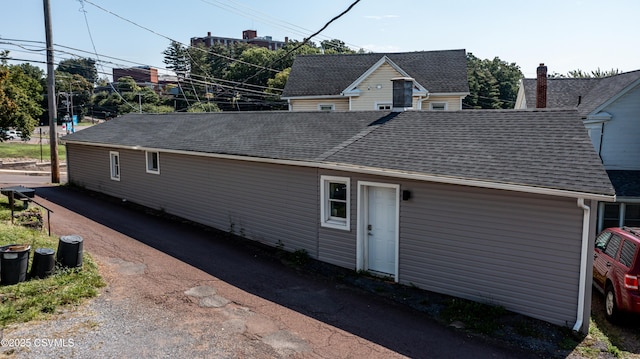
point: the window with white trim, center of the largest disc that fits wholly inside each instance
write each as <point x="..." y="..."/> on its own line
<point x="326" y="107"/>
<point x="153" y="162"/>
<point x="438" y="106"/>
<point x="335" y="205"/>
<point x="114" y="159"/>
<point x="384" y="106"/>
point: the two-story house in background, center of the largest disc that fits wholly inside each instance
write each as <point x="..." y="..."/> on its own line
<point x="610" y="110"/>
<point x="362" y="82"/>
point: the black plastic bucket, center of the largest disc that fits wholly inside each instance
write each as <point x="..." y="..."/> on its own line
<point x="70" y="251"/>
<point x="43" y="263"/>
<point x="14" y="260"/>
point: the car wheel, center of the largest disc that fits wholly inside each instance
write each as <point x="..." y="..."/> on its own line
<point x="610" y="306"/>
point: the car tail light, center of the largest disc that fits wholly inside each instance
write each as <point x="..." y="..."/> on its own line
<point x="631" y="281"/>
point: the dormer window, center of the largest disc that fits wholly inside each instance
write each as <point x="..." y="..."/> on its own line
<point x="438" y="106"/>
<point x="326" y="107"/>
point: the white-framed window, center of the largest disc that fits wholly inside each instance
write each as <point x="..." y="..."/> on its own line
<point x="438" y="106"/>
<point x="383" y="106"/>
<point x="114" y="160"/>
<point x="335" y="193"/>
<point x="326" y="107"/>
<point x="153" y="162"/>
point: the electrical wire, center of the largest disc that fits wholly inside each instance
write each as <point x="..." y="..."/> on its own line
<point x="247" y="12"/>
<point x="306" y="39"/>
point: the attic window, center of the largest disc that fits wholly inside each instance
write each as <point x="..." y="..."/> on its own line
<point x="326" y="107"/>
<point x="153" y="162"/>
<point x="383" y="107"/>
<point x="438" y="106"/>
<point x="335" y="208"/>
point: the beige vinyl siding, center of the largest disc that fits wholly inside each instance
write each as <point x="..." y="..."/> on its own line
<point x="340" y="104"/>
<point x="376" y="88"/>
<point x="453" y="102"/>
<point x="273" y="204"/>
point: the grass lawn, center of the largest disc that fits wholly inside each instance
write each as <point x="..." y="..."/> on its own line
<point x="38" y="298"/>
<point x="28" y="150"/>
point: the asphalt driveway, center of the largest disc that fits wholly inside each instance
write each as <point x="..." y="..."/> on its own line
<point x="207" y="295"/>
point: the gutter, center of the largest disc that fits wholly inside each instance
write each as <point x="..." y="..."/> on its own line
<point x="373" y="171"/>
<point x="583" y="263"/>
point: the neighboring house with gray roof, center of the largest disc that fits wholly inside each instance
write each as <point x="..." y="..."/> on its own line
<point x="610" y="110"/>
<point x="492" y="206"/>
<point x="362" y="82"/>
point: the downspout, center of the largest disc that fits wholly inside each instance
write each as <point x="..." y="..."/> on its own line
<point x="584" y="253"/>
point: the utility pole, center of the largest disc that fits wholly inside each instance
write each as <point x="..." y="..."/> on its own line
<point x="51" y="89"/>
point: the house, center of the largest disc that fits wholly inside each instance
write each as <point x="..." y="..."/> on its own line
<point x="610" y="110"/>
<point x="248" y="37"/>
<point x="489" y="205"/>
<point x="361" y="82"/>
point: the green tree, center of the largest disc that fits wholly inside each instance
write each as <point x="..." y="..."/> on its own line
<point x="593" y="74"/>
<point x="493" y="84"/>
<point x="278" y="81"/>
<point x="335" y="46"/>
<point x="20" y="96"/>
<point x="176" y="57"/>
<point x="84" y="67"/>
<point x="74" y="91"/>
<point x="203" y="107"/>
<point x="245" y="71"/>
<point x="129" y="97"/>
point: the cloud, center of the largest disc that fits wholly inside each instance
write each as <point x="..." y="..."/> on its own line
<point x="381" y="17"/>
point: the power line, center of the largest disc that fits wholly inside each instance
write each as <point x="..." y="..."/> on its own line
<point x="307" y="39"/>
<point x="178" y="42"/>
<point x="235" y="8"/>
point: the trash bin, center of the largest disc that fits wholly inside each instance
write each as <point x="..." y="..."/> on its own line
<point x="14" y="260"/>
<point x="43" y="263"/>
<point x="70" y="251"/>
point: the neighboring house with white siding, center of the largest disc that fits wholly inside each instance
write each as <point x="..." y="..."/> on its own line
<point x="488" y="205"/>
<point x="362" y="82"/>
<point x="610" y="110"/>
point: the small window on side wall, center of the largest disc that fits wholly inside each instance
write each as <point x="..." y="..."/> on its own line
<point x="383" y="107"/>
<point x="114" y="159"/>
<point x="335" y="205"/>
<point x="438" y="106"/>
<point x="326" y="107"/>
<point x="153" y="162"/>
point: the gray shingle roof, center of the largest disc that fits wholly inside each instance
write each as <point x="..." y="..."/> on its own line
<point x="593" y="92"/>
<point x="547" y="149"/>
<point x="318" y="75"/>
<point x="278" y="135"/>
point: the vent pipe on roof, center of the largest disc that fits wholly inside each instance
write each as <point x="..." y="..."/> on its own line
<point x="402" y="93"/>
<point x="541" y="87"/>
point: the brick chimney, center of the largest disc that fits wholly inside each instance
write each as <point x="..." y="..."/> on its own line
<point x="402" y="93"/>
<point x="541" y="87"/>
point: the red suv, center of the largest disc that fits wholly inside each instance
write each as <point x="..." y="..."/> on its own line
<point x="616" y="268"/>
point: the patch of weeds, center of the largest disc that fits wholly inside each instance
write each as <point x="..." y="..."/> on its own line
<point x="379" y="289"/>
<point x="479" y="317"/>
<point x="38" y="298"/>
<point x="280" y="245"/>
<point x="298" y="258"/>
<point x="526" y="329"/>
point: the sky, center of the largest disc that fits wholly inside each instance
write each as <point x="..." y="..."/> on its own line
<point x="566" y="35"/>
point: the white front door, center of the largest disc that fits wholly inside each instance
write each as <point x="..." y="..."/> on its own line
<point x="381" y="229"/>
